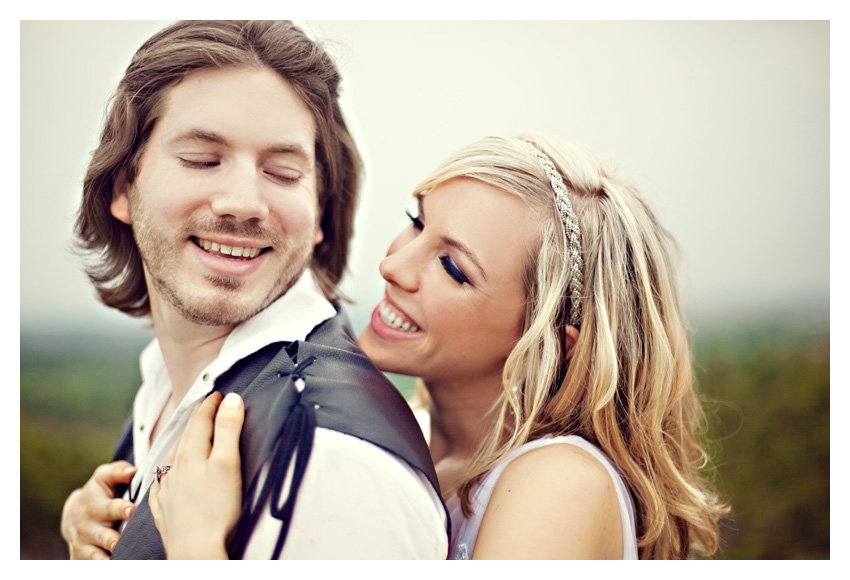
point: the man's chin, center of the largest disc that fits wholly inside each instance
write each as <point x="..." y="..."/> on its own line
<point x="219" y="308"/>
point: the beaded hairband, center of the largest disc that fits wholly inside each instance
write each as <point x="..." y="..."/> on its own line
<point x="570" y="221"/>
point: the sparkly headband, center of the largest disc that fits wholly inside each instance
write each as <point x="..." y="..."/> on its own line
<point x="570" y="221"/>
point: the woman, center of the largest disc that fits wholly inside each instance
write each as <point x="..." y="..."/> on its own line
<point x="563" y="326"/>
<point x="535" y="295"/>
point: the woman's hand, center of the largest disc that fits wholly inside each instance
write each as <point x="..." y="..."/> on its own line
<point x="199" y="500"/>
<point x="91" y="511"/>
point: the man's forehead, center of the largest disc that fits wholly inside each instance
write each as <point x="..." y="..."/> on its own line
<point x="226" y="106"/>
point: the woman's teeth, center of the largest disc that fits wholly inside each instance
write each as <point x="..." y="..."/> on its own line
<point x="235" y="251"/>
<point x="391" y="318"/>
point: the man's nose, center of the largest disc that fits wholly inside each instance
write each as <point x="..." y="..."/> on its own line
<point x="240" y="193"/>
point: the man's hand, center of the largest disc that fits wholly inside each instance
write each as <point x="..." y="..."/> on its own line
<point x="90" y="512"/>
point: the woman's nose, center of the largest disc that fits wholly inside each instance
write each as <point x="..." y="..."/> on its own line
<point x="400" y="267"/>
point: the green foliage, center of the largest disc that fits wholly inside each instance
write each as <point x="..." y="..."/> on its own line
<point x="767" y="397"/>
<point x="766" y="386"/>
<point x="74" y="399"/>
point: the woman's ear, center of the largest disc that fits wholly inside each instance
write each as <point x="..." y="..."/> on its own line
<point x="570" y="339"/>
<point x="120" y="206"/>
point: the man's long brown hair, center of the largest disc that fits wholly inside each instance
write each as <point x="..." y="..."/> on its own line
<point x="115" y="266"/>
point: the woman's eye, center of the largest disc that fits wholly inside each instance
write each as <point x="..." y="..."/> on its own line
<point x="417" y="221"/>
<point x="452" y="270"/>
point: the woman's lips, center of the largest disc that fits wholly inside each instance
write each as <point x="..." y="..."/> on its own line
<point x="395" y="318"/>
<point x="391" y="323"/>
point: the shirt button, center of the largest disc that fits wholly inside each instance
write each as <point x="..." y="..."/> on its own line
<point x="205" y="377"/>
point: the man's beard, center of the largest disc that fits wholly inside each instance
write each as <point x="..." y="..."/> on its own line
<point x="222" y="307"/>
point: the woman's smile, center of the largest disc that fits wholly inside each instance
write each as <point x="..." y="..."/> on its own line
<point x="454" y="297"/>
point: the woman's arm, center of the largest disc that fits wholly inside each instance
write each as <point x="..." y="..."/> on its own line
<point x="199" y="499"/>
<point x="555" y="502"/>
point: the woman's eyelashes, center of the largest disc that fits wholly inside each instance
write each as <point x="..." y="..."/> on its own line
<point x="449" y="266"/>
<point x="453" y="271"/>
<point x="418" y="224"/>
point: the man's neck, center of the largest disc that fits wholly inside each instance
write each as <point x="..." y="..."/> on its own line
<point x="187" y="348"/>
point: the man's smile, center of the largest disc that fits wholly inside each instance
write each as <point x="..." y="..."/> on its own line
<point x="243" y="252"/>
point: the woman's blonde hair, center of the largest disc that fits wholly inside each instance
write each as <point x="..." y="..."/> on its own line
<point x="629" y="386"/>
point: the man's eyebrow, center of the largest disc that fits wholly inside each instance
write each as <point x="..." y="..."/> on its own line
<point x="291" y="149"/>
<point x="198" y="135"/>
<point x="284" y="148"/>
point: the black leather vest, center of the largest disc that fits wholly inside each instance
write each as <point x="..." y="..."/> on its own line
<point x="289" y="389"/>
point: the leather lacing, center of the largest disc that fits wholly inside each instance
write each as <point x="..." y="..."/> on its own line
<point x="295" y="440"/>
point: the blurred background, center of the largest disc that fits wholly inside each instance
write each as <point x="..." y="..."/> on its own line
<point x="725" y="125"/>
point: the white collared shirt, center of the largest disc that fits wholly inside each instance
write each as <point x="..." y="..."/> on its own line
<point x="356" y="500"/>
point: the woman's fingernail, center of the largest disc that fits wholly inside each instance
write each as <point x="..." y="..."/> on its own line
<point x="130" y="469"/>
<point x="232" y="401"/>
<point x="128" y="511"/>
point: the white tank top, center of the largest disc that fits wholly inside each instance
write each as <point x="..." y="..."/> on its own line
<point x="465" y="530"/>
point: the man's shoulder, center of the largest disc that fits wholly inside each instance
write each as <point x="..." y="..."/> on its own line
<point x="334" y="366"/>
<point x="343" y="451"/>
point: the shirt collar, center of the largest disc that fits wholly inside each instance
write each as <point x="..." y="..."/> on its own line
<point x="289" y="318"/>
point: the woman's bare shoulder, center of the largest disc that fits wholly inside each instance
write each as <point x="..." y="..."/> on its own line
<point x="555" y="501"/>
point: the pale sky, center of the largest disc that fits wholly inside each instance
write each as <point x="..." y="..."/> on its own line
<point x="725" y="125"/>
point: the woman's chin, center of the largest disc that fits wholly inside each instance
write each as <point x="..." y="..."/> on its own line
<point x="380" y="353"/>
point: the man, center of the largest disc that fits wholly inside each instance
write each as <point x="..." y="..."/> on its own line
<point x="225" y="169"/>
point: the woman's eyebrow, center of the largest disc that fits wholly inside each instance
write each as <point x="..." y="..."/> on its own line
<point x="459" y="246"/>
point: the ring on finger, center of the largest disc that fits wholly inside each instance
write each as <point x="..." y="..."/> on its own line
<point x="160" y="470"/>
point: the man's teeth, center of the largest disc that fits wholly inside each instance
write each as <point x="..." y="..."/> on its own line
<point x="235" y="251"/>
<point x="394" y="320"/>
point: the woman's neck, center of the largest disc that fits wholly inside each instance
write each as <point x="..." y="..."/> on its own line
<point x="460" y="418"/>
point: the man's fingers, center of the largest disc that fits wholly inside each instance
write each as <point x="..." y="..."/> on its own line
<point x="228" y="427"/>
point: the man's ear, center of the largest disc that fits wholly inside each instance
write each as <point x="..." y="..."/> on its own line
<point x="120" y="206"/>
<point x="570" y="339"/>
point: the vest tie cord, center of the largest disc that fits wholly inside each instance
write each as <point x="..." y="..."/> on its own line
<point x="347" y="394"/>
<point x="295" y="440"/>
<point x="300" y="428"/>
